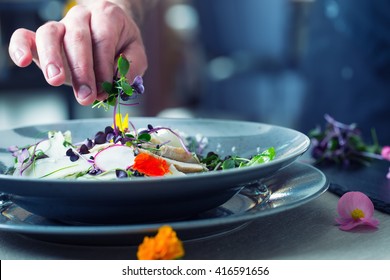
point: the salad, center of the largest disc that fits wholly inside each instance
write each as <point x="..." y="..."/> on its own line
<point x="121" y="151"/>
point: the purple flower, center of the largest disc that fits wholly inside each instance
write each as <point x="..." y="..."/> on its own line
<point x="13" y="149"/>
<point x="23" y="155"/>
<point x="137" y="85"/>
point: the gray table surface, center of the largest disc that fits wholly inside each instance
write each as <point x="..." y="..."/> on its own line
<point x="304" y="233"/>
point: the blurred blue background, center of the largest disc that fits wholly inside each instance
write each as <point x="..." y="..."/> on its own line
<point x="282" y="62"/>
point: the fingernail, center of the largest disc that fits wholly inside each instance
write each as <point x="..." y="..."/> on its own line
<point x="52" y="71"/>
<point x="83" y="92"/>
<point x="18" y="54"/>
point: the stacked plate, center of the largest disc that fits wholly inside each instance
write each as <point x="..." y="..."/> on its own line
<point x="199" y="205"/>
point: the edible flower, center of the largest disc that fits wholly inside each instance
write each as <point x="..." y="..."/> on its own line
<point x="150" y="165"/>
<point x="164" y="246"/>
<point x="121" y="123"/>
<point x="22" y="156"/>
<point x="385" y="153"/>
<point x="355" y="209"/>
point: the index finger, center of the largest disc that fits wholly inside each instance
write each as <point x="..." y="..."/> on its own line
<point x="78" y="50"/>
<point x="22" y="48"/>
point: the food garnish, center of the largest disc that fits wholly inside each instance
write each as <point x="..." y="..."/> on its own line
<point x="121" y="150"/>
<point x="342" y="143"/>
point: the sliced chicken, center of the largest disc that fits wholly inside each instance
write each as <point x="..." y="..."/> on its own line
<point x="175" y="153"/>
<point x="185" y="167"/>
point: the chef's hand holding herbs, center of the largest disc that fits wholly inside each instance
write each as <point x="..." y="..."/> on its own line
<point x="81" y="49"/>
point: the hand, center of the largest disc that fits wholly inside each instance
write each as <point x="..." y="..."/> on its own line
<point x="81" y="50"/>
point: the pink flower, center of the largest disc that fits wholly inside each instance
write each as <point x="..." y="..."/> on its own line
<point x="355" y="209"/>
<point x="385" y="153"/>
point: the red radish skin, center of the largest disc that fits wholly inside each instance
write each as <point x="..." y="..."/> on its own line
<point x="114" y="157"/>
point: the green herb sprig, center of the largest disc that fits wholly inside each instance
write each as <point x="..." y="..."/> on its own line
<point x="214" y="162"/>
<point x="120" y="89"/>
<point x="342" y="144"/>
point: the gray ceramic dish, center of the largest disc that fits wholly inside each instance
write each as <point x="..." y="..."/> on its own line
<point x="291" y="187"/>
<point x="149" y="199"/>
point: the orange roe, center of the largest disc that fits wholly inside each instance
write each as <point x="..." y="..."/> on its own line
<point x="164" y="246"/>
<point x="150" y="165"/>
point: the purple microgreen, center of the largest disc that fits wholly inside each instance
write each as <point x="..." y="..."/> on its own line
<point x="24" y="159"/>
<point x="108" y="130"/>
<point x="100" y="137"/>
<point x="342" y="143"/>
<point x="134" y="129"/>
<point x="138" y="85"/>
<point x="23" y="156"/>
<point x="156" y="129"/>
<point x="95" y="171"/>
<point x="120" y="174"/>
<point x="72" y="155"/>
<point x="120" y="88"/>
<point x="109" y="137"/>
<point x="118" y="138"/>
<point x="162" y="144"/>
<point x="13" y="149"/>
<point x="83" y="149"/>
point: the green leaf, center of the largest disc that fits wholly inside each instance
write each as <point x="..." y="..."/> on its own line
<point x="263" y="157"/>
<point x="126" y="87"/>
<point x="211" y="157"/>
<point x="144" y="137"/>
<point x="111" y="100"/>
<point x="67" y="144"/>
<point x="107" y="86"/>
<point x="228" y="164"/>
<point x="123" y="65"/>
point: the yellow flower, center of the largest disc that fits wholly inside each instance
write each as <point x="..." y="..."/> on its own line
<point x="164" y="246"/>
<point x="122" y="123"/>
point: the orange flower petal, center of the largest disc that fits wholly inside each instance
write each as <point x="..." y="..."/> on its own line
<point x="164" y="246"/>
<point x="150" y="165"/>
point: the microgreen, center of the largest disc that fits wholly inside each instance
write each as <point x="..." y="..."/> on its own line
<point x="214" y="162"/>
<point x="342" y="143"/>
<point x="120" y="88"/>
<point x="58" y="170"/>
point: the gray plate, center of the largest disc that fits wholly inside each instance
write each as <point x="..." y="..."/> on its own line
<point x="291" y="187"/>
<point x="148" y="199"/>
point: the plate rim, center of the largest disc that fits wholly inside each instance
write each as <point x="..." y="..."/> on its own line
<point x="303" y="147"/>
<point x="99" y="230"/>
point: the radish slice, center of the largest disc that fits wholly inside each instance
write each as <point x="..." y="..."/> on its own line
<point x="115" y="157"/>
